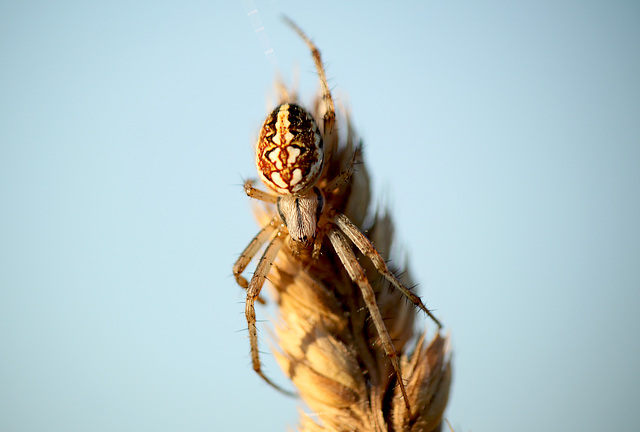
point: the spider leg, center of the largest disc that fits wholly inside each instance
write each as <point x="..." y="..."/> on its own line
<point x="251" y="250"/>
<point x="330" y="110"/>
<point x="323" y="225"/>
<point x="367" y="248"/>
<point x="253" y="293"/>
<point x="258" y="194"/>
<point x="356" y="273"/>
<point x="330" y="113"/>
<point x="343" y="178"/>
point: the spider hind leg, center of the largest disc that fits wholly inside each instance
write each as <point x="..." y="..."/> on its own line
<point x="366" y="247"/>
<point x="356" y="273"/>
<point x="253" y="294"/>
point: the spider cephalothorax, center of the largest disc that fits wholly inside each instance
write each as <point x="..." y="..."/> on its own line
<point x="290" y="159"/>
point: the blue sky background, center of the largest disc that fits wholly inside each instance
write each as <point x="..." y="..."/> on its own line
<point x="505" y="137"/>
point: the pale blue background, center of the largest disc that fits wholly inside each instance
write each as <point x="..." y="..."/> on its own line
<point x="504" y="135"/>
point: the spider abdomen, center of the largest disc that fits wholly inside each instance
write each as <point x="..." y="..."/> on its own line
<point x="289" y="154"/>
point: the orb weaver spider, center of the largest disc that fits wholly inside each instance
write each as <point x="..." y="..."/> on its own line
<point x="291" y="162"/>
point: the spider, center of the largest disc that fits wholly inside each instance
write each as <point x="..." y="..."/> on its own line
<point x="290" y="159"/>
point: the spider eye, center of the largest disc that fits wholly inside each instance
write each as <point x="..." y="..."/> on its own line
<point x="289" y="154"/>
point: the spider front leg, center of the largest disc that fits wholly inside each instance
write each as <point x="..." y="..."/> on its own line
<point x="270" y="233"/>
<point x="259" y="240"/>
<point x="251" y="250"/>
<point x="366" y="247"/>
<point x="356" y="273"/>
<point x="253" y="293"/>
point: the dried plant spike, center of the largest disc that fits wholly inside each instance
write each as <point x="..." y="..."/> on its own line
<point x="342" y="335"/>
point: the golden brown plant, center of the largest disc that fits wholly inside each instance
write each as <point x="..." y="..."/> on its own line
<point x="344" y="331"/>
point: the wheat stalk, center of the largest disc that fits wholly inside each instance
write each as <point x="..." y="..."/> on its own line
<point x="326" y="343"/>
